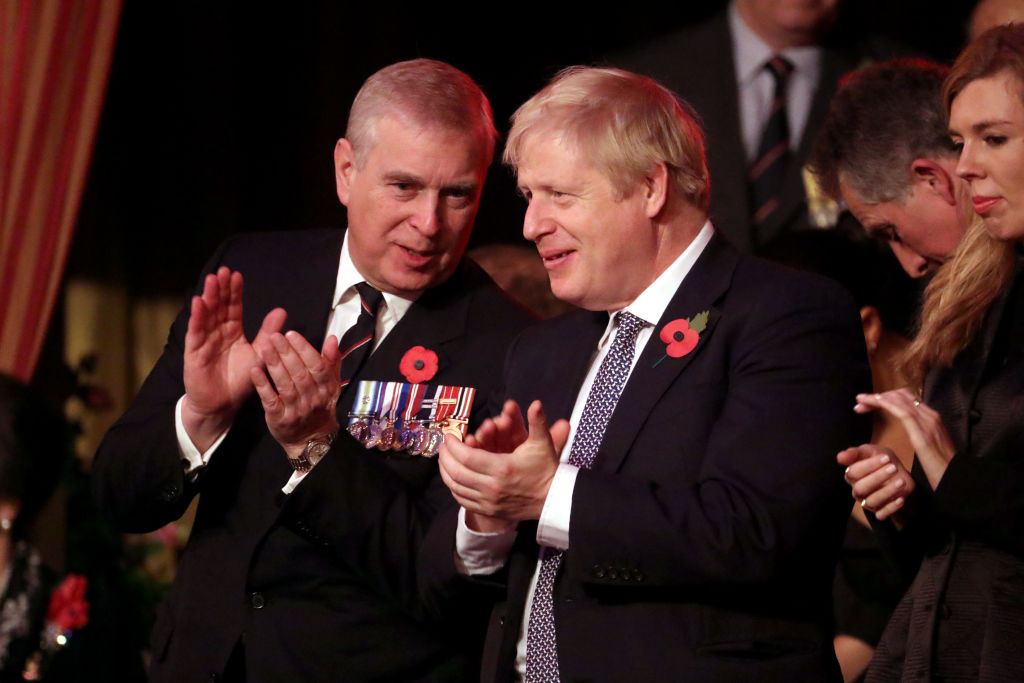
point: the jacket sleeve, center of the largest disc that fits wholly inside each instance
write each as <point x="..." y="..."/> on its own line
<point x="138" y="477"/>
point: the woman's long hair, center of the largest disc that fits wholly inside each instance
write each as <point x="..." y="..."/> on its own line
<point x="960" y="294"/>
<point x="957" y="299"/>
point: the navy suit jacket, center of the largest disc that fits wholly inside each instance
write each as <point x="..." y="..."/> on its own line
<point x="310" y="608"/>
<point x="702" y="543"/>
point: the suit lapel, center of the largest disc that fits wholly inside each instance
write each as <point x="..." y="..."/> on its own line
<point x="307" y="296"/>
<point x="653" y="374"/>
<point x="575" y="357"/>
<point x="433" y="321"/>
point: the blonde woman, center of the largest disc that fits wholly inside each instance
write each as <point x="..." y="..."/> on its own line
<point x="959" y="516"/>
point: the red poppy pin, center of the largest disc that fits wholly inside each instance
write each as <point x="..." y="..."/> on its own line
<point x="69" y="610"/>
<point x="681" y="335"/>
<point x="418" y="365"/>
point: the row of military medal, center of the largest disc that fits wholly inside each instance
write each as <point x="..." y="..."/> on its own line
<point x="400" y="416"/>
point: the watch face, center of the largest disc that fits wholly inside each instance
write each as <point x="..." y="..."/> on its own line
<point x="301" y="463"/>
<point x="317" y="449"/>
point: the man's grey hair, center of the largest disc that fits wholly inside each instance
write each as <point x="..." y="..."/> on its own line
<point x="882" y="118"/>
<point x="424" y="92"/>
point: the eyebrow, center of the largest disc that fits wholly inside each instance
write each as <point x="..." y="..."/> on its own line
<point x="981" y="126"/>
<point x="411" y="179"/>
<point x="399" y="177"/>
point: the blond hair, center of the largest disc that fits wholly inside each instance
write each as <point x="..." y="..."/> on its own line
<point x="957" y="299"/>
<point x="427" y="93"/>
<point x="962" y="291"/>
<point x="623" y="122"/>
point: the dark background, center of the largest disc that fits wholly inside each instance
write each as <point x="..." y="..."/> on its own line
<point x="222" y="118"/>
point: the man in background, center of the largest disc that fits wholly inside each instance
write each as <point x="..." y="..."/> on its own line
<point x="885" y="151"/>
<point x="760" y="74"/>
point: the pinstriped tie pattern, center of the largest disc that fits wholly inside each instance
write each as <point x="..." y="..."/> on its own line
<point x="357" y="341"/>
<point x="769" y="170"/>
<point x="541" y="650"/>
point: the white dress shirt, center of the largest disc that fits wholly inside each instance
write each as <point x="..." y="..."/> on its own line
<point x="480" y="553"/>
<point x="757" y="86"/>
<point x="344" y="313"/>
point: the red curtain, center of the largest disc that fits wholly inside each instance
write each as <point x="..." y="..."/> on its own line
<point x="54" y="60"/>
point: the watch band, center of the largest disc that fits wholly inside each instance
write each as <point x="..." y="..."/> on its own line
<point x="316" y="448"/>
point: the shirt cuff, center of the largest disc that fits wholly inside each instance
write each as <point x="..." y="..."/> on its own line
<point x="553" y="526"/>
<point x="481" y="553"/>
<point x="194" y="460"/>
<point x="294" y="480"/>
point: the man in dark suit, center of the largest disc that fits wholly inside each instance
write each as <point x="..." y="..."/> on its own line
<point x="723" y="67"/>
<point x="690" y="529"/>
<point x="302" y="557"/>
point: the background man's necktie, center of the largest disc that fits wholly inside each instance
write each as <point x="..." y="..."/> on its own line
<point x="769" y="169"/>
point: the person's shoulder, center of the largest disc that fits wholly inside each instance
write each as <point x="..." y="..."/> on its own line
<point x="280" y="254"/>
<point x="284" y="242"/>
<point x="553" y="332"/>
<point x="487" y="303"/>
<point x="770" y="287"/>
<point x="655" y="54"/>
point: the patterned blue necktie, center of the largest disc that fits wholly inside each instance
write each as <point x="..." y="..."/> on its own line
<point x="541" y="651"/>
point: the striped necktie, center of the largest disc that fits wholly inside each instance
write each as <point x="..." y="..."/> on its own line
<point x="356" y="343"/>
<point x="769" y="170"/>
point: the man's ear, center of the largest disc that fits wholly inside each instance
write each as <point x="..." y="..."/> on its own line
<point x="937" y="178"/>
<point x="655" y="188"/>
<point x="344" y="169"/>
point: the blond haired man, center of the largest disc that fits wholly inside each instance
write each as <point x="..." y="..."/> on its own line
<point x="680" y="517"/>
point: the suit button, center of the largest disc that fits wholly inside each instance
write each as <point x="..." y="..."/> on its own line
<point x="598" y="571"/>
<point x="256" y="600"/>
<point x="638" y="575"/>
<point x="612" y="574"/>
<point x="501" y="622"/>
<point x="169" y="493"/>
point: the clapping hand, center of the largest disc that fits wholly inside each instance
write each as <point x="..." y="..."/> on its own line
<point x="932" y="445"/>
<point x="307" y="381"/>
<point x="218" y="357"/>
<point x="877" y="479"/>
<point x="504" y="485"/>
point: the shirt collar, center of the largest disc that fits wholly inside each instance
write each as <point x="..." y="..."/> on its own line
<point x="349" y="277"/>
<point x="653" y="301"/>
<point x="750" y="53"/>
